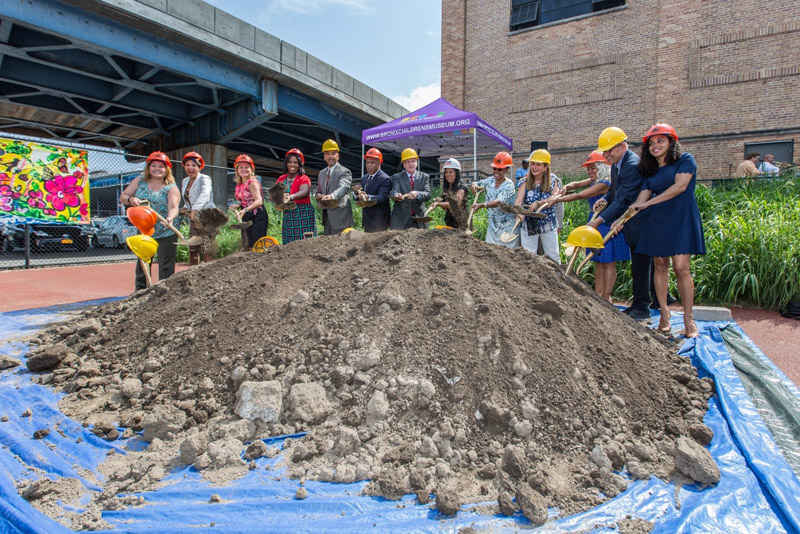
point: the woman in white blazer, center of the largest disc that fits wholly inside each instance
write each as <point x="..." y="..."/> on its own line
<point x="197" y="195"/>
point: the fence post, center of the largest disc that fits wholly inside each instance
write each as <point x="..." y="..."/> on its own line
<point x="27" y="245"/>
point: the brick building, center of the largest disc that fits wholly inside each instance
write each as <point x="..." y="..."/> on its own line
<point x="723" y="73"/>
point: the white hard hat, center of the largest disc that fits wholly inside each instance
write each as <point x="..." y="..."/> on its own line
<point x="452" y="163"/>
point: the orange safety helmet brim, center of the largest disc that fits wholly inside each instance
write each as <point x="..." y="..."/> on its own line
<point x="661" y="128"/>
<point x="244" y="158"/>
<point x="194" y="155"/>
<point x="594" y="157"/>
<point x="296" y="152"/>
<point x="502" y="160"/>
<point x="374" y="153"/>
<point x="159" y="156"/>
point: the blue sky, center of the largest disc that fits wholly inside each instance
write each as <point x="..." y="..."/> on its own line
<point x="393" y="46"/>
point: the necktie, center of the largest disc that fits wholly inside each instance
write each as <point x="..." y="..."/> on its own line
<point x="411" y="179"/>
<point x="614" y="179"/>
<point x="366" y="184"/>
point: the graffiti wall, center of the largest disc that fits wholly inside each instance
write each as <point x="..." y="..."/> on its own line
<point x="43" y="182"/>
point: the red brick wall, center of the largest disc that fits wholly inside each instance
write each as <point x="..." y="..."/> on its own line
<point x="722" y="73"/>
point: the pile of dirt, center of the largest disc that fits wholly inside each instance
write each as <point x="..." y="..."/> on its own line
<point x="425" y="361"/>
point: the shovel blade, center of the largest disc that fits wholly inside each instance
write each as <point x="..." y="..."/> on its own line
<point x="507" y="237"/>
<point x="242" y="226"/>
<point x="422" y="219"/>
<point x="195" y="241"/>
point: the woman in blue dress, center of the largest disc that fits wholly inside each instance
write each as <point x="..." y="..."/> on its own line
<point x="673" y="228"/>
<point x="605" y="267"/>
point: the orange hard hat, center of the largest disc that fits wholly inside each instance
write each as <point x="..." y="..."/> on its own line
<point x="159" y="156"/>
<point x="374" y="153"/>
<point x="296" y="152"/>
<point x="143" y="218"/>
<point x="662" y="128"/>
<point x="194" y="155"/>
<point x="244" y="158"/>
<point x="594" y="157"/>
<point x="502" y="160"/>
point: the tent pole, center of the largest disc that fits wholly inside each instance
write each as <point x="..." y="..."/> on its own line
<point x="362" y="159"/>
<point x="475" y="153"/>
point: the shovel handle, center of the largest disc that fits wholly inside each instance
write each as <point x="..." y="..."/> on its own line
<point x="146" y="268"/>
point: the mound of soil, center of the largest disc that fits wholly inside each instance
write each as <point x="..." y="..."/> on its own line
<point x="424" y="361"/>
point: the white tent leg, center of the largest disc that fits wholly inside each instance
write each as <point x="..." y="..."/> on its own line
<point x="475" y="153"/>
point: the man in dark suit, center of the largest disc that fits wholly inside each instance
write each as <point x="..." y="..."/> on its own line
<point x="626" y="182"/>
<point x="376" y="186"/>
<point x="411" y="189"/>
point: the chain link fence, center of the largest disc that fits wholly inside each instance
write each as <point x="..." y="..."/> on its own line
<point x="47" y="244"/>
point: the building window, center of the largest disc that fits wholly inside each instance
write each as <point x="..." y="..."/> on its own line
<point x="526" y="13"/>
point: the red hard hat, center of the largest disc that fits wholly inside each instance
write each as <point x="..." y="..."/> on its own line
<point x="502" y="160"/>
<point x="297" y="153"/>
<point x="662" y="128"/>
<point x="244" y="158"/>
<point x="594" y="157"/>
<point x="194" y="155"/>
<point x="374" y="153"/>
<point x="159" y="156"/>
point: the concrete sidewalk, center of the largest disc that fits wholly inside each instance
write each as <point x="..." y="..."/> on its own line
<point x="777" y="337"/>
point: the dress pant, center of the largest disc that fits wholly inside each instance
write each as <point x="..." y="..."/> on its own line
<point x="166" y="261"/>
<point x="640" y="268"/>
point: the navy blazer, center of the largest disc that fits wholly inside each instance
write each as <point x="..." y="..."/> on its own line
<point x="376" y="218"/>
<point x="622" y="194"/>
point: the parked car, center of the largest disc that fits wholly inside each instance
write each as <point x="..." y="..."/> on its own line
<point x="47" y="237"/>
<point x="113" y="232"/>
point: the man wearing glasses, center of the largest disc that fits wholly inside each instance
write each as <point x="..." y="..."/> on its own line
<point x="626" y="182"/>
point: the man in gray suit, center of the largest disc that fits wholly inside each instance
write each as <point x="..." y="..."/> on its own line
<point x="333" y="185"/>
<point x="410" y="190"/>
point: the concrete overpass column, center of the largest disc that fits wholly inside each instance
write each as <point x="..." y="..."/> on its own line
<point x="216" y="159"/>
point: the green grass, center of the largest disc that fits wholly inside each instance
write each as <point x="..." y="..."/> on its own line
<point x="752" y="234"/>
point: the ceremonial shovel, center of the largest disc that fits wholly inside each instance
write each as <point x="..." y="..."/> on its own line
<point x="195" y="241"/>
<point x="470" y="231"/>
<point x="625" y="217"/>
<point x="425" y="218"/>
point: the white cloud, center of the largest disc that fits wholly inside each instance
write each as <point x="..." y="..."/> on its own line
<point x="308" y="7"/>
<point x="433" y="33"/>
<point x="420" y="96"/>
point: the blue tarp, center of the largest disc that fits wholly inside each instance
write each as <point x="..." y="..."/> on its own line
<point x="758" y="491"/>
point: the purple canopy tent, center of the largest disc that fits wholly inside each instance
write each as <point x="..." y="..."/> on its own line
<point x="439" y="128"/>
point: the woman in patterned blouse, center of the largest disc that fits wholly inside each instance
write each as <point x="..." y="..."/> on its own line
<point x="537" y="190"/>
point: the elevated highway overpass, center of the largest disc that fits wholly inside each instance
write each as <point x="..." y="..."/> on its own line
<point x="144" y="75"/>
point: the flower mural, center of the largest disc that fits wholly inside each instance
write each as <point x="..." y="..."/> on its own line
<point x="62" y="191"/>
<point x="43" y="182"/>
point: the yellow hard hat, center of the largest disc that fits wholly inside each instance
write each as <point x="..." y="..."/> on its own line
<point x="540" y="155"/>
<point x="584" y="236"/>
<point x="143" y="246"/>
<point x="408" y="153"/>
<point x="609" y="138"/>
<point x="330" y="146"/>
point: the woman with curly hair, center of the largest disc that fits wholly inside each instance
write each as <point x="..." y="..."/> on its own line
<point x="300" y="222"/>
<point x="673" y="228"/>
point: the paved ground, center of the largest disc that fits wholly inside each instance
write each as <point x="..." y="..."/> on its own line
<point x="777" y="337"/>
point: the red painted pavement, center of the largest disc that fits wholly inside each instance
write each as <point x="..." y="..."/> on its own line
<point x="777" y="337"/>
